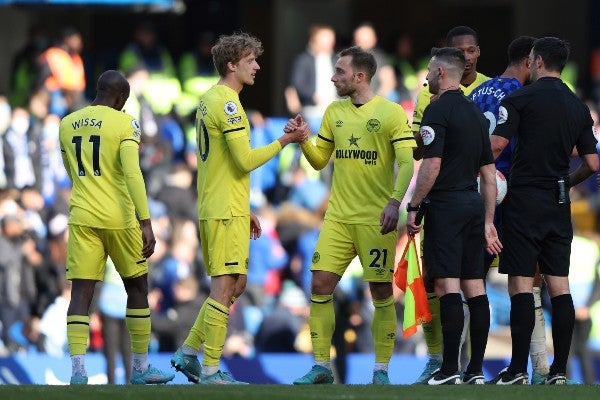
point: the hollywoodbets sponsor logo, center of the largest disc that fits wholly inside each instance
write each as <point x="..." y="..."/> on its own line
<point x="368" y="156"/>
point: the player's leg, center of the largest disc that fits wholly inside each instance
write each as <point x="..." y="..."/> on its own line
<point x="448" y="218"/>
<point x="377" y="255"/>
<point x="227" y="243"/>
<point x="85" y="266"/>
<point x="522" y="232"/>
<point x="479" y="327"/>
<point x="473" y="272"/>
<point x="333" y="252"/>
<point x="537" y="349"/>
<point x="432" y="330"/>
<point x="554" y="264"/>
<point x="124" y="248"/>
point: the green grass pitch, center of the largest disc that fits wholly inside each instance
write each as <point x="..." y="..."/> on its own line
<point x="286" y="392"/>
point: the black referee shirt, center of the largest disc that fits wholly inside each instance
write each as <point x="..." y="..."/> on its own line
<point x="454" y="129"/>
<point x="548" y="120"/>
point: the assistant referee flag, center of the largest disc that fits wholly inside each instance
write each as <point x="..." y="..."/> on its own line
<point x="408" y="278"/>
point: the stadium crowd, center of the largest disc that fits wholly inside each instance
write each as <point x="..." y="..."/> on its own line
<point x="287" y="195"/>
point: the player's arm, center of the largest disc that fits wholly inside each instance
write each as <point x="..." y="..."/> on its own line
<point x="133" y="177"/>
<point x="389" y="216"/>
<point x="507" y="126"/>
<point x="248" y="159"/>
<point x="424" y="97"/>
<point x="65" y="160"/>
<point x="487" y="179"/>
<point x="317" y="151"/>
<point x="134" y="180"/>
<point x="585" y="169"/>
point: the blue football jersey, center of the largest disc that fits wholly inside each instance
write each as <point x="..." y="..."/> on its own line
<point x="488" y="96"/>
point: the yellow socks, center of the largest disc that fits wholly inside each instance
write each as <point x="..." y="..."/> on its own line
<point x="138" y="324"/>
<point x="322" y="324"/>
<point x="433" y="330"/>
<point x="384" y="329"/>
<point x="216" y="316"/>
<point x="78" y="333"/>
<point x="198" y="331"/>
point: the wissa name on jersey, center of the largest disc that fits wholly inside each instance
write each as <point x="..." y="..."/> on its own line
<point x="93" y="122"/>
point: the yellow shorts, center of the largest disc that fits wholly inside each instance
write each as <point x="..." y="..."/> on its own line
<point x="339" y="243"/>
<point x="88" y="249"/>
<point x="225" y="245"/>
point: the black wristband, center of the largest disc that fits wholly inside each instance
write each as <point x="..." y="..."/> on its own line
<point x="410" y="208"/>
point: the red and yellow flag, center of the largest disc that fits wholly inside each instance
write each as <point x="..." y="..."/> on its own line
<point x="408" y="278"/>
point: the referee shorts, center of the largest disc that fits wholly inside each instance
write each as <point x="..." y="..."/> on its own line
<point x="454" y="243"/>
<point x="536" y="230"/>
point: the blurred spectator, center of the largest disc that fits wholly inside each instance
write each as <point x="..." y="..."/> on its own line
<point x="25" y="66"/>
<point x="179" y="263"/>
<point x="112" y="304"/>
<point x="585" y="288"/>
<point x="280" y="329"/>
<point x="197" y="73"/>
<point x="62" y="73"/>
<point x="310" y="90"/>
<point x="18" y="165"/>
<point x="53" y="173"/>
<point x="18" y="258"/>
<point x="267" y="259"/>
<point x="384" y="81"/>
<point x="53" y="326"/>
<point x="172" y="325"/>
<point x="162" y="88"/>
<point x="178" y="194"/>
<point x="406" y="73"/>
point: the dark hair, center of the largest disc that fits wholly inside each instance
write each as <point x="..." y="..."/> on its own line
<point x="554" y="52"/>
<point x="460" y="31"/>
<point x="450" y="55"/>
<point x="519" y="49"/>
<point x="362" y="60"/>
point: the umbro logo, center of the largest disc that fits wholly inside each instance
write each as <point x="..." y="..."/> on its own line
<point x="339" y="123"/>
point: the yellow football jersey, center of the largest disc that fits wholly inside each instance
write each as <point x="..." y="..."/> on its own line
<point x="223" y="189"/>
<point x="424" y="98"/>
<point x="90" y="141"/>
<point x="363" y="140"/>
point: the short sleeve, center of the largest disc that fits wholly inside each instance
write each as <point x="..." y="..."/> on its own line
<point x="433" y="132"/>
<point x="132" y="131"/>
<point x="508" y="120"/>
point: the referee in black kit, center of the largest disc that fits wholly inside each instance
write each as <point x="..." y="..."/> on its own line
<point x="548" y="120"/>
<point x="458" y="223"/>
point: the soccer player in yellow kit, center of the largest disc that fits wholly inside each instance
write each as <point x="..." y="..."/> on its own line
<point x="465" y="39"/>
<point x="225" y="160"/>
<point x="99" y="147"/>
<point x="366" y="134"/>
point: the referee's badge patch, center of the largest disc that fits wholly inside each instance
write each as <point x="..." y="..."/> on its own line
<point x="230" y="108"/>
<point x="427" y="134"/>
<point x="502" y="115"/>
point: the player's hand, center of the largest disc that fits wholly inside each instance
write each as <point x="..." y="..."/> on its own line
<point x="493" y="245"/>
<point x="148" y="239"/>
<point x="389" y="217"/>
<point x="411" y="226"/>
<point x="255" y="229"/>
<point x="297" y="128"/>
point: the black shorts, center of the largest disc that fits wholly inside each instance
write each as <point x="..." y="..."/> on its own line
<point x="536" y="229"/>
<point x="454" y="236"/>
